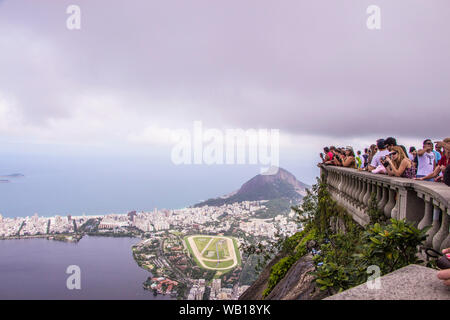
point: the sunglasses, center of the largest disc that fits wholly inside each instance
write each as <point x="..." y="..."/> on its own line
<point x="393" y="153"/>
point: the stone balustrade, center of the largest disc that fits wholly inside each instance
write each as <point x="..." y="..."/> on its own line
<point x="422" y="202"/>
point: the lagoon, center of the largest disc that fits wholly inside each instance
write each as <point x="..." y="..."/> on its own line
<point x="36" y="269"/>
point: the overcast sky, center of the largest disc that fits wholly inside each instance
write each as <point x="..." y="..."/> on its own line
<point x="309" y="68"/>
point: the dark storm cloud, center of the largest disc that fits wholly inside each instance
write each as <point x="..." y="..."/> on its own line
<point x="306" y="67"/>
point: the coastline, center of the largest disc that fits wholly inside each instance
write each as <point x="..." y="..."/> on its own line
<point x="71" y="237"/>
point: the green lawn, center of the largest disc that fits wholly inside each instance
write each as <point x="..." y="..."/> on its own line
<point x="223" y="252"/>
<point x="201" y="242"/>
<point x="222" y="264"/>
<point x="236" y="249"/>
<point x="191" y="252"/>
<point x="221" y="245"/>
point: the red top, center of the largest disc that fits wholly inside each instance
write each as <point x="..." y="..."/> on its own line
<point x="330" y="155"/>
<point x="444" y="161"/>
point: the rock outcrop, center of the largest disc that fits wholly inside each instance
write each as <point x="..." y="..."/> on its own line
<point x="255" y="291"/>
<point x="298" y="283"/>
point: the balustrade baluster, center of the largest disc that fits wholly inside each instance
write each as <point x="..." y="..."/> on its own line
<point x="435" y="226"/>
<point x="446" y="243"/>
<point x="350" y="189"/>
<point x="384" y="198"/>
<point x="440" y="236"/>
<point x="363" y="192"/>
<point x="368" y="193"/>
<point x="391" y="203"/>
<point x="347" y="184"/>
<point x="427" y="219"/>
<point x="379" y="193"/>
<point x="356" y="190"/>
<point x="395" y="211"/>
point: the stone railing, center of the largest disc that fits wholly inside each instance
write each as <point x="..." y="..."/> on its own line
<point x="422" y="202"/>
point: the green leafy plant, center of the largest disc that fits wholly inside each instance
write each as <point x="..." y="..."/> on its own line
<point x="392" y="246"/>
<point x="343" y="265"/>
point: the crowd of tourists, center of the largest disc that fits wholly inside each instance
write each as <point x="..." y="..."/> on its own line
<point x="428" y="163"/>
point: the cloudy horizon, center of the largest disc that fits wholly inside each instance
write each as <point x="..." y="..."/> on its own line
<point x="311" y="69"/>
<point x="307" y="68"/>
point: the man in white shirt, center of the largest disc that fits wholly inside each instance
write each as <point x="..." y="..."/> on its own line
<point x="382" y="152"/>
<point x="426" y="159"/>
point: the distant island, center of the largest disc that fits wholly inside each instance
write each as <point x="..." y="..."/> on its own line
<point x="14" y="175"/>
<point x="5" y="178"/>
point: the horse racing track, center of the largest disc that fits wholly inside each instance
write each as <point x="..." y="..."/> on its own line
<point x="214" y="252"/>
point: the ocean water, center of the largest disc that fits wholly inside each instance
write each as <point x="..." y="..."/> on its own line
<point x="94" y="183"/>
<point x="36" y="269"/>
<point x="98" y="185"/>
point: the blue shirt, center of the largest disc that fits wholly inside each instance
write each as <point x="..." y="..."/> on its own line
<point x="437" y="156"/>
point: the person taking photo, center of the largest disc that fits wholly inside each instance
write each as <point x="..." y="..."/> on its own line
<point x="398" y="164"/>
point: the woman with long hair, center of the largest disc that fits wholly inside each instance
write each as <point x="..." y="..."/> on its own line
<point x="348" y="158"/>
<point x="398" y="164"/>
<point x="372" y="151"/>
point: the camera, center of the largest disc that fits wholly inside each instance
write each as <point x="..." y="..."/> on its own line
<point x="443" y="263"/>
<point x="384" y="162"/>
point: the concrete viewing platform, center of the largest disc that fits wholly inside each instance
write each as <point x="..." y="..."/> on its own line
<point x="412" y="282"/>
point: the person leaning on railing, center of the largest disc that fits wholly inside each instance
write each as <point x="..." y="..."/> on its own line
<point x="359" y="160"/>
<point x="328" y="155"/>
<point x="369" y="153"/>
<point x="438" y="173"/>
<point x="337" y="157"/>
<point x="375" y="164"/>
<point x="426" y="160"/>
<point x="345" y="158"/>
<point x="366" y="157"/>
<point x="372" y="152"/>
<point x="412" y="155"/>
<point x="446" y="176"/>
<point x="446" y="145"/>
<point x="398" y="164"/>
